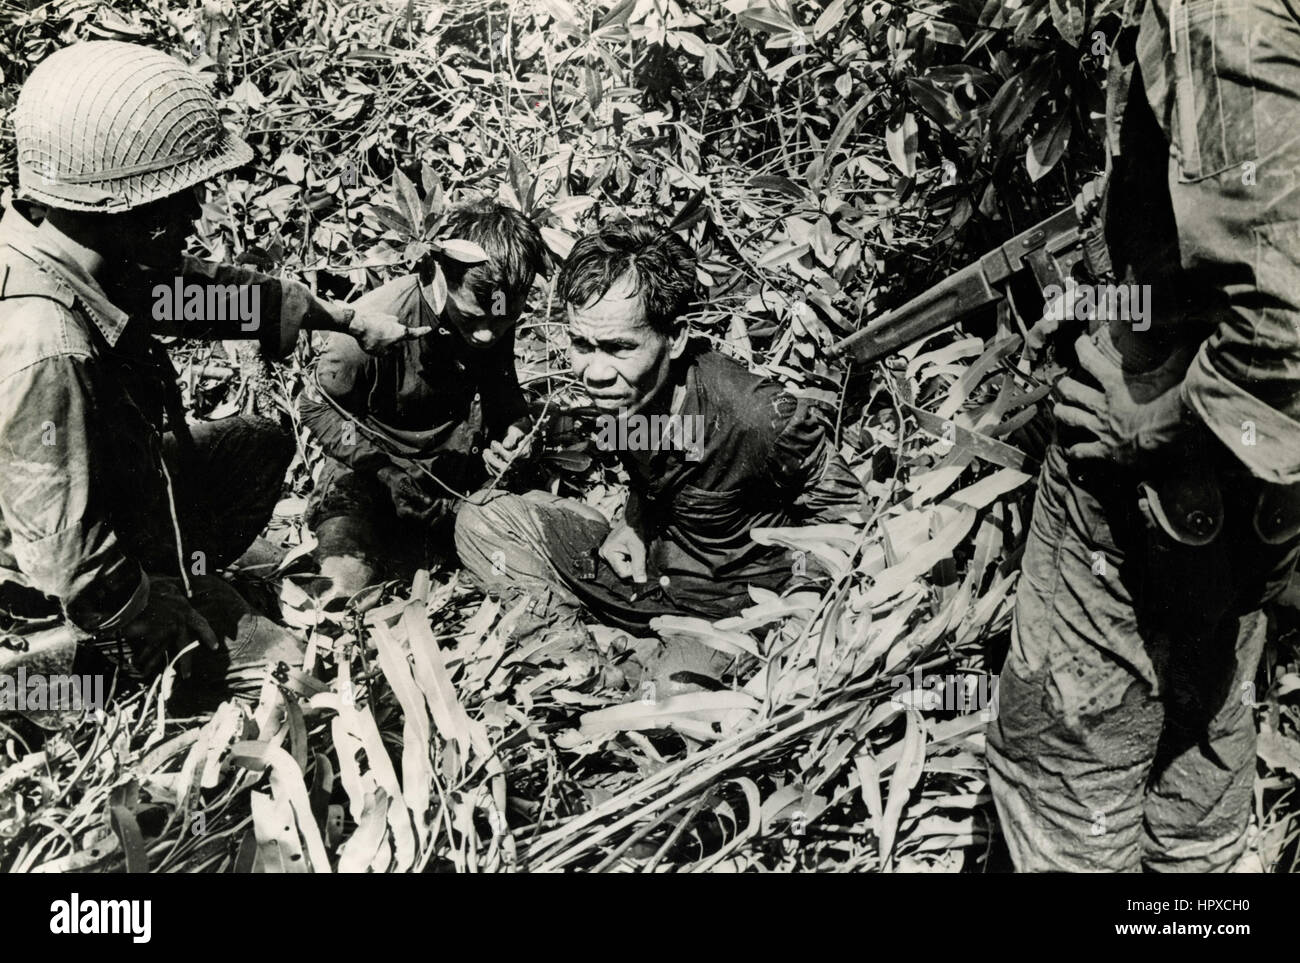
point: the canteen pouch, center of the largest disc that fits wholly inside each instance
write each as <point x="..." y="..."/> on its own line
<point x="1186" y="505"/>
<point x="1277" y="514"/>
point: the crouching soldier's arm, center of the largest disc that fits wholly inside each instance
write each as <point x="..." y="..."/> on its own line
<point x="62" y="536"/>
<point x="806" y="465"/>
<point x="334" y="409"/>
<point x="505" y="411"/>
<point x="236" y="302"/>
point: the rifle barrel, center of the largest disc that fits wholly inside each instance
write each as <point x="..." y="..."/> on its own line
<point x="947" y="302"/>
<point x="1039" y="249"/>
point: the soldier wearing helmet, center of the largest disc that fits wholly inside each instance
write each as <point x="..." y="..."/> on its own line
<point x="112" y="510"/>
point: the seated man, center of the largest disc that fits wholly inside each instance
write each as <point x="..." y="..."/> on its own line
<point x="712" y="451"/>
<point x="114" y="510"/>
<point x="408" y="433"/>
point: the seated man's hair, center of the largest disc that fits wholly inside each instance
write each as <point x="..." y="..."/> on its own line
<point x="662" y="263"/>
<point x="510" y="239"/>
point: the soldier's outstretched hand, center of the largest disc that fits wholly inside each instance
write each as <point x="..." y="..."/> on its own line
<point x="380" y="333"/>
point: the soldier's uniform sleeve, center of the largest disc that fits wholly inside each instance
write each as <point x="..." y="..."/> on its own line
<point x="62" y="537"/>
<point x="284" y="308"/>
<point x="334" y="405"/>
<point x="336" y="402"/>
<point x="1224" y="392"/>
<point x="806" y="466"/>
<point x="1226" y="92"/>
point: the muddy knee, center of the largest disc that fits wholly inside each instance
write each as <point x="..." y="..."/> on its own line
<point x="347" y="550"/>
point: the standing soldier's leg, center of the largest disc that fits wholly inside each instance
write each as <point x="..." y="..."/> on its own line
<point x="1208" y="601"/>
<point x="1077" y="721"/>
<point x="1199" y="802"/>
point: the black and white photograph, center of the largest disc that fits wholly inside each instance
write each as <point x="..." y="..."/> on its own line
<point x="650" y="437"/>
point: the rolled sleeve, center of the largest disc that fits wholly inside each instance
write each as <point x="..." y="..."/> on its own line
<point x="1265" y="439"/>
<point x="282" y="310"/>
<point x="1244" y="382"/>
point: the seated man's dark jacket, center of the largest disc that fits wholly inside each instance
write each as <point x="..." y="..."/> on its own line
<point x="86" y="392"/>
<point x="432" y="403"/>
<point x="767" y="460"/>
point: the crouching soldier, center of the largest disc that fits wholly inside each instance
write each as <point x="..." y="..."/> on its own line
<point x="711" y="451"/>
<point x="113" y="510"/>
<point x="409" y="434"/>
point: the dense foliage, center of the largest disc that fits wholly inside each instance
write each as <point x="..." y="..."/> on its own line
<point x="826" y="161"/>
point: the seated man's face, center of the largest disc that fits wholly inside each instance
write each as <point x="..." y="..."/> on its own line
<point x="621" y="360"/>
<point x="483" y="309"/>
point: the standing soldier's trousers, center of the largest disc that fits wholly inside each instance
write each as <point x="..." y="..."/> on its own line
<point x="1124" y="738"/>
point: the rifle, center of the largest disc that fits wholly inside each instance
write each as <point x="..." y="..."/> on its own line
<point x="1051" y="252"/>
<point x="1180" y="495"/>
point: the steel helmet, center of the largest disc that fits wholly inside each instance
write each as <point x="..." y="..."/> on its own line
<point x="108" y="126"/>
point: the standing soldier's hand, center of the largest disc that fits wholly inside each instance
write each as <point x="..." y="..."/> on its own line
<point x="1122" y="427"/>
<point x="379" y="333"/>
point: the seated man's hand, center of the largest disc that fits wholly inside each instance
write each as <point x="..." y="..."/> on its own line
<point x="168" y="624"/>
<point x="380" y="333"/>
<point x="515" y="446"/>
<point x="1122" y="427"/>
<point x="409" y="499"/>
<point x="625" y="553"/>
